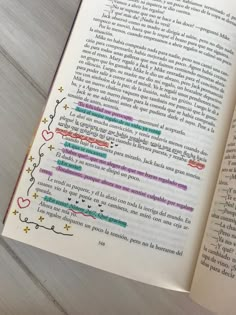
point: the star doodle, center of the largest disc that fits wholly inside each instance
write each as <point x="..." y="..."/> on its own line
<point x="61" y="89"/>
<point x="67" y="227"/>
<point x="35" y="196"/>
<point x="31" y="159"/>
<point x="41" y="219"/>
<point x="26" y="230"/>
<point x="51" y="147"/>
<point x="28" y="170"/>
<point x="45" y="120"/>
<point x="66" y="107"/>
<point x="15" y="212"/>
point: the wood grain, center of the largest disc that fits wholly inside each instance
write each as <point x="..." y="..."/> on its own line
<point x="33" y="34"/>
<point x="18" y="293"/>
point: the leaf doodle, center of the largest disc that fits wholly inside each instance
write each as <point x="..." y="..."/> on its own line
<point x="55" y="112"/>
<point x="35" y="166"/>
<point x="38" y="226"/>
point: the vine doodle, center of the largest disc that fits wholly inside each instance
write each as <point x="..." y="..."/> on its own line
<point x="55" y="112"/>
<point x="35" y="166"/>
<point x="38" y="226"/>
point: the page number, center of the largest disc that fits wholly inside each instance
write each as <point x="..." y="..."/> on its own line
<point x="101" y="243"/>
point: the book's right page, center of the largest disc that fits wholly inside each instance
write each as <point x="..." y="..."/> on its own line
<point x="214" y="283"/>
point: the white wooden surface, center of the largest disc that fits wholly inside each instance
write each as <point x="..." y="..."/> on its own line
<point x="32" y="37"/>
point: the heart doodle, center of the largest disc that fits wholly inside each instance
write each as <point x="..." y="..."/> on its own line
<point x="23" y="203"/>
<point x="47" y="135"/>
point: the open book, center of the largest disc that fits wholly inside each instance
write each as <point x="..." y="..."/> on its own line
<point x="132" y="169"/>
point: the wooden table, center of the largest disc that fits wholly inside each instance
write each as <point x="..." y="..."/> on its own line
<point x="32" y="37"/>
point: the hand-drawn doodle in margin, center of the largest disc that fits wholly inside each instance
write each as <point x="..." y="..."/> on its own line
<point x="55" y="112"/>
<point x="23" y="203"/>
<point x="37" y="226"/>
<point x="47" y="135"/>
<point x="35" y="166"/>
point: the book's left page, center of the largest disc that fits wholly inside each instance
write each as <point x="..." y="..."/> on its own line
<point x="124" y="163"/>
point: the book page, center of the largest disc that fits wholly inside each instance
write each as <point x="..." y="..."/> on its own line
<point x="214" y="283"/>
<point x="123" y="166"/>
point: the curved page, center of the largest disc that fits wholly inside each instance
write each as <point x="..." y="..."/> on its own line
<point x="123" y="166"/>
<point x="214" y="283"/>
